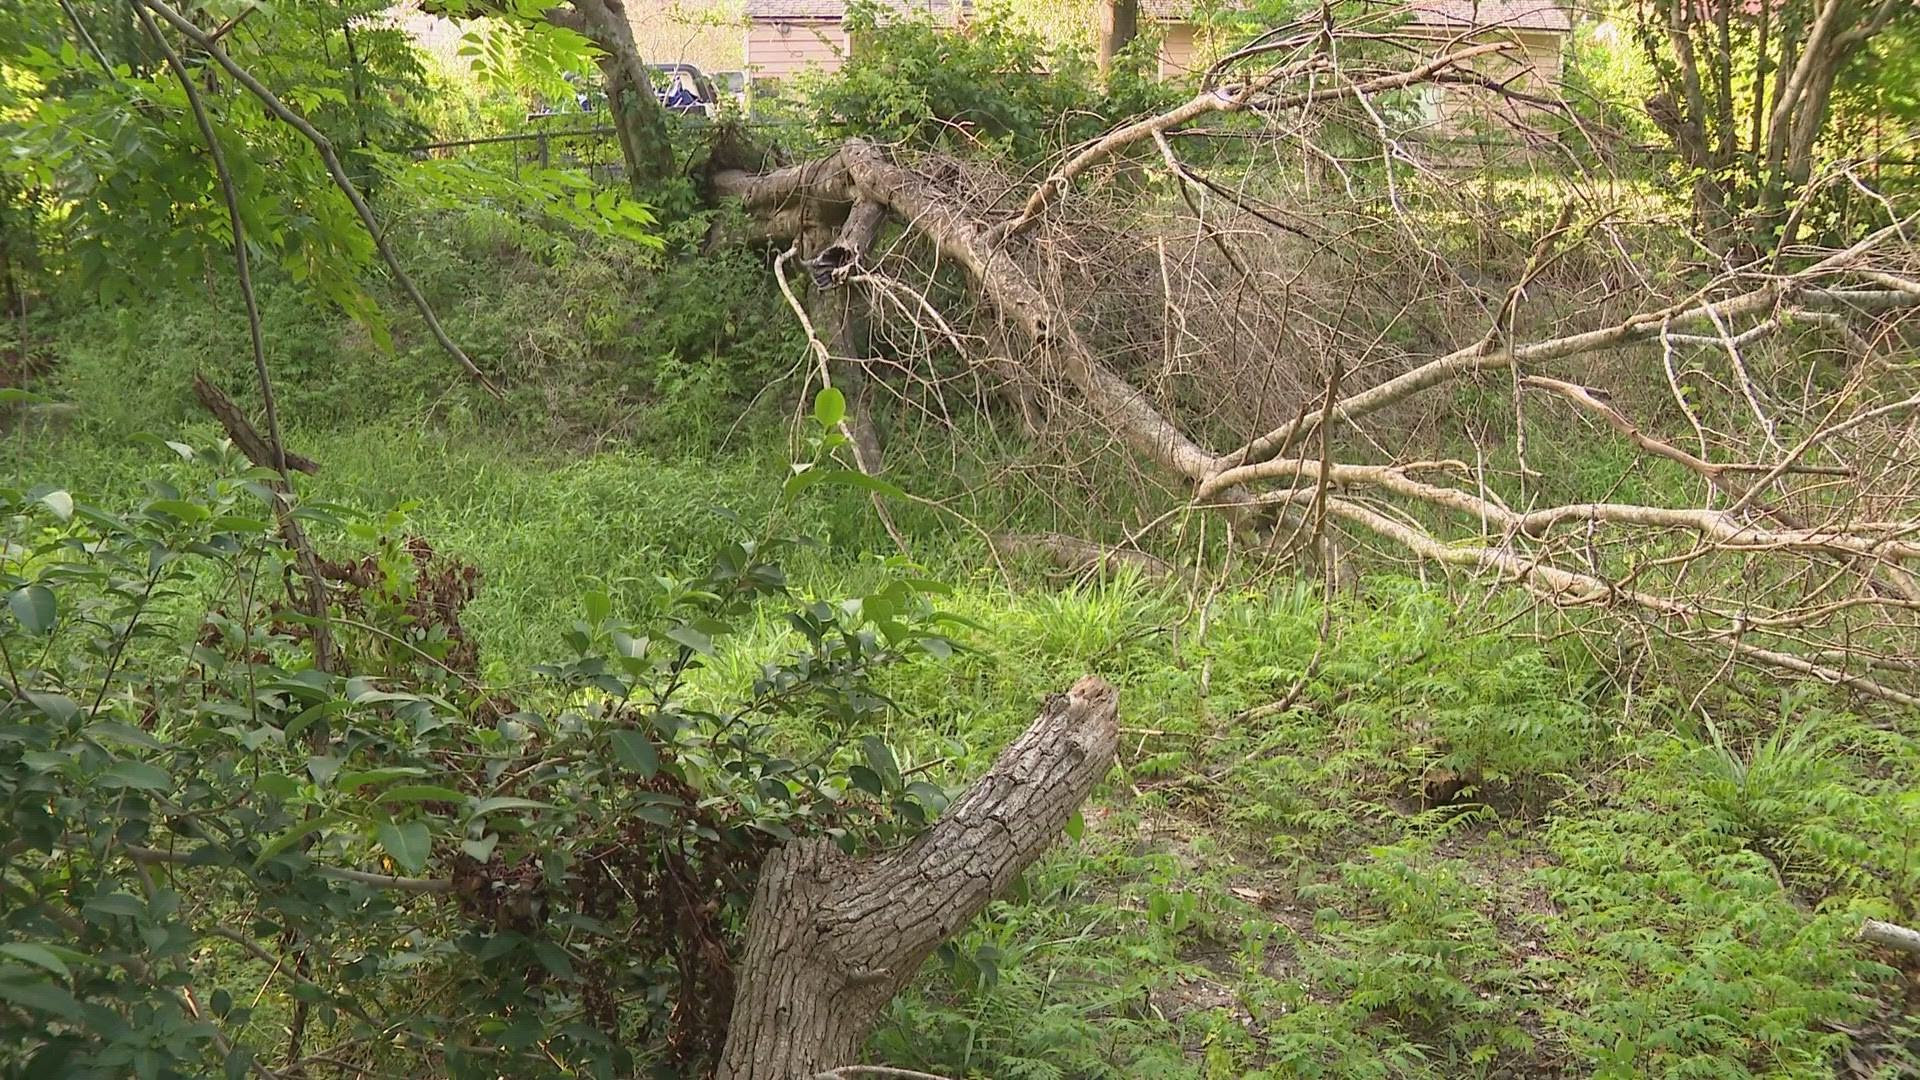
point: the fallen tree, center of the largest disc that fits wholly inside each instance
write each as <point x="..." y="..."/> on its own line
<point x="1790" y="542"/>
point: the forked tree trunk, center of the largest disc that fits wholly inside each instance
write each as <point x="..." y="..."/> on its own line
<point x="639" y="120"/>
<point x="831" y="940"/>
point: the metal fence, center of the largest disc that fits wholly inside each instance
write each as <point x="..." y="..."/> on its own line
<point x="551" y="139"/>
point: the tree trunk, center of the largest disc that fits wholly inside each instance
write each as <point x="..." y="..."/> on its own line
<point x="639" y="120"/>
<point x="1119" y="25"/>
<point x="832" y="257"/>
<point x="830" y="940"/>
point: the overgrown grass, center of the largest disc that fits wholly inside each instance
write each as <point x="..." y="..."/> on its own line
<point x="1593" y="893"/>
<point x="1457" y="851"/>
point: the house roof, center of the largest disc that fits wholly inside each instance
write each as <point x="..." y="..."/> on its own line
<point x="835" y="10"/>
<point x="1511" y="14"/>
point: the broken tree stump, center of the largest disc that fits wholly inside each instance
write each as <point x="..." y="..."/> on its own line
<point x="830" y="940"/>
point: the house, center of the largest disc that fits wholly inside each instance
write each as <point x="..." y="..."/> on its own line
<point x="1539" y="27"/>
<point x="786" y="37"/>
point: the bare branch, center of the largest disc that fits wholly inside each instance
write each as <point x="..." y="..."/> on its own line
<point x="1875" y="932"/>
<point x="1224" y="99"/>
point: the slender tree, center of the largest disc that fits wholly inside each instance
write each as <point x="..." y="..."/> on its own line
<point x="1119" y="25"/>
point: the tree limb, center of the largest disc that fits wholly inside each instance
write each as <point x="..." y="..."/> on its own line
<point x="1875" y="932"/>
<point x="141" y="854"/>
<point x="1225" y="99"/>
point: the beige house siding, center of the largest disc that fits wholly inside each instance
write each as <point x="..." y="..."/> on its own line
<point x="1535" y="68"/>
<point x="780" y="50"/>
<point x="1179" y="50"/>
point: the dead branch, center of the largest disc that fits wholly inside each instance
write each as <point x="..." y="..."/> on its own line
<point x="864" y="457"/>
<point x="311" y="599"/>
<point x="1164" y="333"/>
<point x="1875" y="932"/>
<point x="1477" y="357"/>
<point x="1224" y="99"/>
<point x="241" y="430"/>
<point x="1077" y="555"/>
<point x="1571" y="589"/>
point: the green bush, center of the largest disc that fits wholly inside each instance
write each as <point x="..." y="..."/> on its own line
<point x="989" y="86"/>
<point x="187" y="793"/>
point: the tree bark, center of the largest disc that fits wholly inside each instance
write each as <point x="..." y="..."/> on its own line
<point x="830" y="940"/>
<point x="639" y="120"/>
<point x="1119" y="25"/>
<point x="1875" y="932"/>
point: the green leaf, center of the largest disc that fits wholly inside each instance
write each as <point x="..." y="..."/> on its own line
<point x="866" y="780"/>
<point x="59" y="707"/>
<point x="179" y="508"/>
<point x="382" y="697"/>
<point x="880" y="759"/>
<point x="239" y="1062"/>
<point x="829" y="406"/>
<point x="46" y="760"/>
<point x="1076" y="826"/>
<point x="504" y="802"/>
<point x="37" y="955"/>
<point x="554" y="958"/>
<point x="125" y="734"/>
<point x="481" y="849"/>
<point x="635" y="751"/>
<point x="127" y="773"/>
<point x="60" y="502"/>
<point x="656" y="815"/>
<point x="292" y="836"/>
<point x="692" y="639"/>
<point x="42" y="997"/>
<point x="930" y="796"/>
<point x="323" y="769"/>
<point x="410" y="793"/>
<point x="844" y="477"/>
<point x="35" y="607"/>
<point x="598" y="606"/>
<point x="408" y="844"/>
<point x="313" y="713"/>
<point x="112" y="904"/>
<point x="350" y="781"/>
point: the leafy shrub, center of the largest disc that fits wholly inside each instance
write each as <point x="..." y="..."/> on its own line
<point x="989" y="85"/>
<point x="186" y="795"/>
